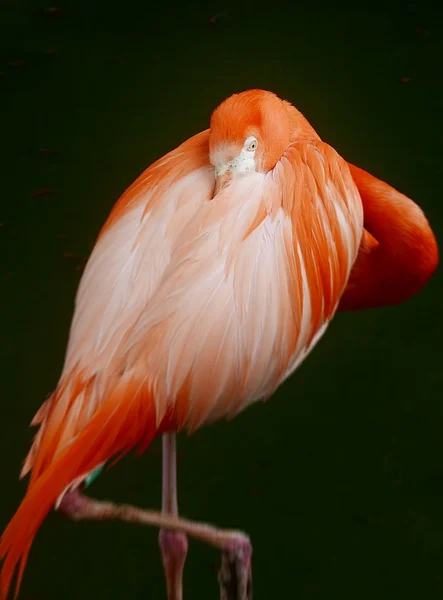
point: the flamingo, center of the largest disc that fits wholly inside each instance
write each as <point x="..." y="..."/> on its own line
<point x="213" y="278"/>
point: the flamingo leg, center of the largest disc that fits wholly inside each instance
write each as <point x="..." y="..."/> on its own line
<point x="235" y="576"/>
<point x="173" y="544"/>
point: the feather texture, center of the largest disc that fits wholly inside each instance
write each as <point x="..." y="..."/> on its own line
<point x="192" y="306"/>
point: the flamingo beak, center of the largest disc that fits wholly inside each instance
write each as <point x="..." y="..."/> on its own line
<point x="222" y="181"/>
<point x="227" y="170"/>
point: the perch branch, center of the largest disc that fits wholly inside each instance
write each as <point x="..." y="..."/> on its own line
<point x="235" y="576"/>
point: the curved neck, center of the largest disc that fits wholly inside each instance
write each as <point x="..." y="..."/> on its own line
<point x="406" y="255"/>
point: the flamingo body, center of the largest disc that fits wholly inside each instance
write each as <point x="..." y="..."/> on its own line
<point x="214" y="276"/>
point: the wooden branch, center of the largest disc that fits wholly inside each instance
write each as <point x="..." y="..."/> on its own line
<point x="235" y="575"/>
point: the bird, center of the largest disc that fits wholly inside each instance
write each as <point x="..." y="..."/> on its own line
<point x="214" y="276"/>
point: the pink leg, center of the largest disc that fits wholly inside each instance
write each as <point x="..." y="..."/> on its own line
<point x="173" y="544"/>
<point x="235" y="576"/>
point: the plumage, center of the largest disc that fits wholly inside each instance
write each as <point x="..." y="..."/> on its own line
<point x="398" y="261"/>
<point x="197" y="299"/>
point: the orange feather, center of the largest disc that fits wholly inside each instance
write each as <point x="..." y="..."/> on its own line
<point x="199" y="299"/>
<point x="142" y="357"/>
<point x="399" y="252"/>
<point x="126" y="418"/>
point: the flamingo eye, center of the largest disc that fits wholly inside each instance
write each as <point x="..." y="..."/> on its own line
<point x="251" y="144"/>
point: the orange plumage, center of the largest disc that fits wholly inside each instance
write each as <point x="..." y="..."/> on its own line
<point x="214" y="276"/>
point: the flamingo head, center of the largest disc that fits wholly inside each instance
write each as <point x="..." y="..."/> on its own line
<point x="249" y="131"/>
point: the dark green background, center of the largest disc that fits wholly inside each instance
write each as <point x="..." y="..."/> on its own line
<point x="339" y="477"/>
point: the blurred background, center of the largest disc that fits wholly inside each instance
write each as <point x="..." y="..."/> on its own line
<point x="339" y="477"/>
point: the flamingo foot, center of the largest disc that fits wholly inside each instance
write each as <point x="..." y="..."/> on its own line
<point x="174" y="549"/>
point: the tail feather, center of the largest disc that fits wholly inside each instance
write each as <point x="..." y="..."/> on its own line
<point x="126" y="418"/>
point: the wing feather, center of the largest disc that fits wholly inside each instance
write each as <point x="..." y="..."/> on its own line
<point x="125" y="268"/>
<point x="324" y="208"/>
<point x="250" y="287"/>
<point x="218" y="301"/>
